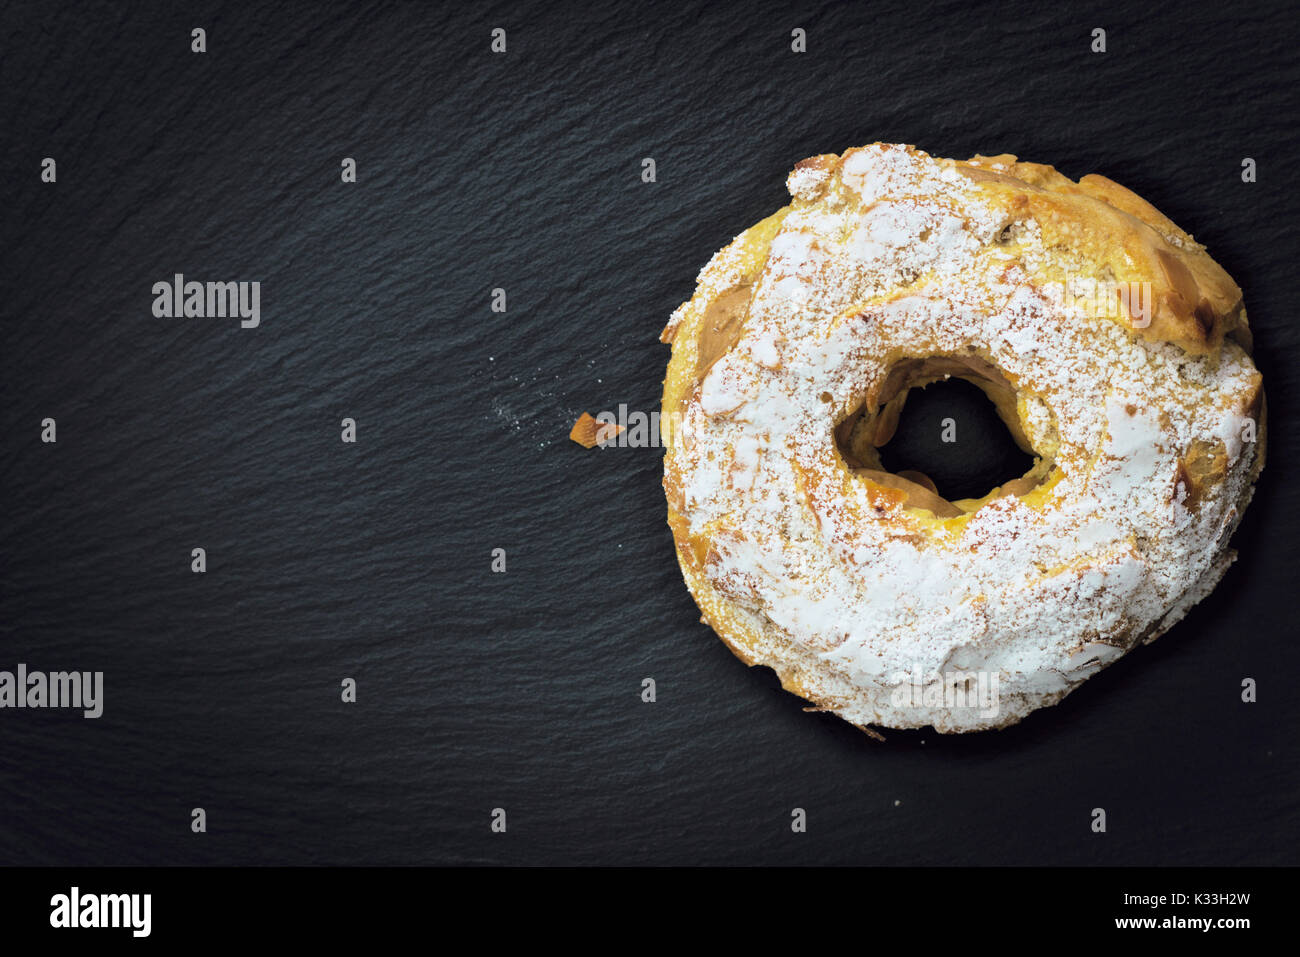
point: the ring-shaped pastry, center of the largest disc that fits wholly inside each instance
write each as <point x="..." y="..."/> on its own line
<point x="1115" y="350"/>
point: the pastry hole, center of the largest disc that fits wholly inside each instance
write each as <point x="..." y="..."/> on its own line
<point x="951" y="433"/>
<point x="959" y="442"/>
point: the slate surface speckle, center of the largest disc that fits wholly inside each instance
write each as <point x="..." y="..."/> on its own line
<point x="521" y="690"/>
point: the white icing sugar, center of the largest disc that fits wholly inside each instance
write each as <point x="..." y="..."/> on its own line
<point x="766" y="352"/>
<point x="806" y="181"/>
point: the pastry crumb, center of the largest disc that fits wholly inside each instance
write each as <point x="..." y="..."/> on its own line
<point x="589" y="433"/>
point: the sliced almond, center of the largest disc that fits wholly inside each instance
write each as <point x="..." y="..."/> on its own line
<point x="589" y="433"/>
<point x="722" y="325"/>
<point x="1204" y="466"/>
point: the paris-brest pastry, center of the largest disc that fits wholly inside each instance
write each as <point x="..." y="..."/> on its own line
<point x="1113" y="347"/>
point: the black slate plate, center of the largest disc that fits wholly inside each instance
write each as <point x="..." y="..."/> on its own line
<point x="522" y="690"/>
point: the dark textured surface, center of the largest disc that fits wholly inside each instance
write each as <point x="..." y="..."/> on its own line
<point x="522" y="690"/>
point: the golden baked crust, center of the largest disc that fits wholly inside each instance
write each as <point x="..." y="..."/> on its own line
<point x="891" y="269"/>
<point x="1196" y="302"/>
